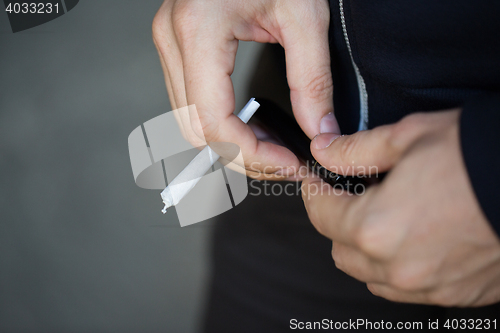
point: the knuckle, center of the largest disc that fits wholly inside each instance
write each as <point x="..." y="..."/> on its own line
<point x="372" y="287"/>
<point x="158" y="28"/>
<point x="406" y="128"/>
<point x="348" y="148"/>
<point x="209" y="128"/>
<point x="162" y="31"/>
<point x="341" y="266"/>
<point x="399" y="278"/>
<point x="334" y="253"/>
<point x="320" y="87"/>
<point x="371" y="238"/>
<point x="185" y="19"/>
<point x="413" y="119"/>
<point x="318" y="15"/>
<point x="315" y="13"/>
<point x="411" y="276"/>
<point x="336" y="256"/>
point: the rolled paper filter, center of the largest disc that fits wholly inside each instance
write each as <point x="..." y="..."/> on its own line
<point x="187" y="179"/>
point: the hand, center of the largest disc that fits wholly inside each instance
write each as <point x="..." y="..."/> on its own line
<point x="419" y="236"/>
<point x="197" y="43"/>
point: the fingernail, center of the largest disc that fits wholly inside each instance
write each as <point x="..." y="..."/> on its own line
<point x="329" y="124"/>
<point x="322" y="141"/>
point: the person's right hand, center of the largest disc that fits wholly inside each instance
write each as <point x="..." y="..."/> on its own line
<point x="197" y="43"/>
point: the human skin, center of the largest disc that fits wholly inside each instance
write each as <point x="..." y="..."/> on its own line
<point x="419" y="236"/>
<point x="197" y="42"/>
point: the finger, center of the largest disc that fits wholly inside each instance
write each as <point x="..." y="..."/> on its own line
<point x="298" y="175"/>
<point x="308" y="66"/>
<point x="168" y="47"/>
<point x="355" y="154"/>
<point x="168" y="83"/>
<point x="208" y="64"/>
<point x="171" y="62"/>
<point x="396" y="295"/>
<point x="183" y="114"/>
<point x="356" y="264"/>
<point x="379" y="148"/>
<point x="334" y="212"/>
<point x="179" y="115"/>
<point x="184" y="118"/>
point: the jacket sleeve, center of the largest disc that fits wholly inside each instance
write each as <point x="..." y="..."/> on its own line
<point x="480" y="142"/>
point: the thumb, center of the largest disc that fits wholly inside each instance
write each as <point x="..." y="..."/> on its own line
<point x="364" y="152"/>
<point x="308" y="66"/>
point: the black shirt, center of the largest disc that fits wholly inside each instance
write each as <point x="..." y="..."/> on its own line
<point x="270" y="265"/>
<point x="425" y="56"/>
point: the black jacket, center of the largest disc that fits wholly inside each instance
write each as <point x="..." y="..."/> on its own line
<point x="404" y="56"/>
<point x="269" y="263"/>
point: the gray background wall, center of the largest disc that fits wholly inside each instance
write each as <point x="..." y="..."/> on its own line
<point x="82" y="249"/>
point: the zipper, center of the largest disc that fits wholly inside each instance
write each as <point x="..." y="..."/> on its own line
<point x="363" y="95"/>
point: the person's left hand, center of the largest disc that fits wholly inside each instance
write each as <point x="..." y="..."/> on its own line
<point x="419" y="236"/>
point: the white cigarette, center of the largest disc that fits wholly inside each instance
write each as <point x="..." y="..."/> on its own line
<point x="194" y="171"/>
